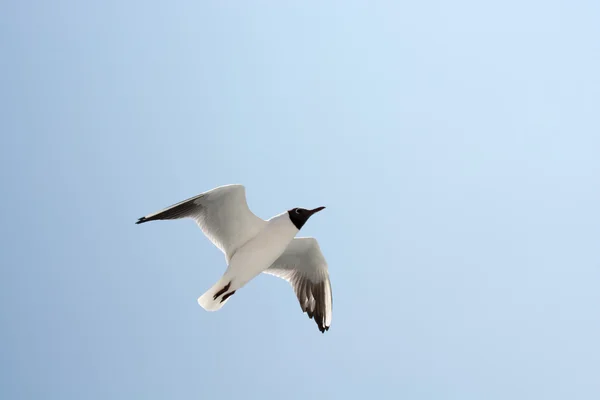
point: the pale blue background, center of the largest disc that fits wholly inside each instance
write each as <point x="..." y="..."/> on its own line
<point x="456" y="146"/>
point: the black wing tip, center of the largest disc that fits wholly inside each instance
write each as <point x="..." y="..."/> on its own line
<point x="141" y="220"/>
<point x="318" y="318"/>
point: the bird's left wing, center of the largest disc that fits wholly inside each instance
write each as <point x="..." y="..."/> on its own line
<point x="222" y="214"/>
<point x="302" y="264"/>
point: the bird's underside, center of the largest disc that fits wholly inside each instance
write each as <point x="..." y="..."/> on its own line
<point x="224" y="217"/>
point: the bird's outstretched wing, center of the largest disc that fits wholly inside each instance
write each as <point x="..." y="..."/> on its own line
<point x="222" y="214"/>
<point x="302" y="264"/>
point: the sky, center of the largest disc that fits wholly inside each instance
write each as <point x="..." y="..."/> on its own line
<point x="455" y="145"/>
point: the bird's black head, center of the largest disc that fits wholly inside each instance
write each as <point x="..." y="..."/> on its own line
<point x="299" y="216"/>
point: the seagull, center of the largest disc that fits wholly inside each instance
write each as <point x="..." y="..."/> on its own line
<point x="252" y="246"/>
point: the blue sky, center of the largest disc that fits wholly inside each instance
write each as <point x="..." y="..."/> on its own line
<point x="455" y="145"/>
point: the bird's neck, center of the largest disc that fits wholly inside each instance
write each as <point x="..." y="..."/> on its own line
<point x="283" y="219"/>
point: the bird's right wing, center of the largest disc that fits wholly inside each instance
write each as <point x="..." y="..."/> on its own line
<point x="222" y="214"/>
<point x="302" y="264"/>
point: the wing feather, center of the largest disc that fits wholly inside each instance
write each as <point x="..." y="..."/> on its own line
<point x="302" y="264"/>
<point x="222" y="214"/>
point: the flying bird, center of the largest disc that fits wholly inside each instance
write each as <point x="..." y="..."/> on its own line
<point x="252" y="246"/>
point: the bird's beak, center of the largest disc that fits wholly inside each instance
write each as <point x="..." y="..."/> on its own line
<point x="316" y="210"/>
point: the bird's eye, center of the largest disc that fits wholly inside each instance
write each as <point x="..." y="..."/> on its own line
<point x="297" y="211"/>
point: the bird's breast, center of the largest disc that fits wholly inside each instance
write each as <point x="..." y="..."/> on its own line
<point x="261" y="251"/>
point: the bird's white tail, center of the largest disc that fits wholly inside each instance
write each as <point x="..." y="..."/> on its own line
<point x="216" y="297"/>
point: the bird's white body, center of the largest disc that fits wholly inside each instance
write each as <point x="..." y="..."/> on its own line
<point x="254" y="257"/>
<point x="252" y="245"/>
<point x="261" y="251"/>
